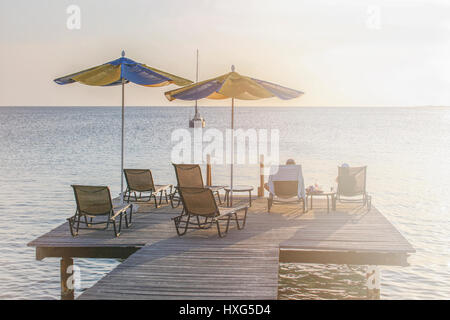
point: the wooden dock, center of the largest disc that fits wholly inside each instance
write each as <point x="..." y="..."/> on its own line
<point x="243" y="265"/>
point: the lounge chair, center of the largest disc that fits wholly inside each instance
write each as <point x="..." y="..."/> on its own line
<point x="141" y="181"/>
<point x="286" y="186"/>
<point x="199" y="203"/>
<point x="190" y="176"/>
<point x="352" y="186"/>
<point x="94" y="202"/>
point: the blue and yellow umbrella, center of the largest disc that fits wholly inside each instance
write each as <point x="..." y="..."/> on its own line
<point x="121" y="72"/>
<point x="235" y="86"/>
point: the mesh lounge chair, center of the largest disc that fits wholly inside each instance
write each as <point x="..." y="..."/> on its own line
<point x="352" y="186"/>
<point x="190" y="176"/>
<point x="199" y="203"/>
<point x="94" y="202"/>
<point x="286" y="186"/>
<point x="141" y="181"/>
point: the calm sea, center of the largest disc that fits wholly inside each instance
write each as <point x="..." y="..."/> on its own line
<point x="407" y="151"/>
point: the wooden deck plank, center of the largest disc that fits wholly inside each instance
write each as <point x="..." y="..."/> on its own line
<point x="243" y="265"/>
<point x="366" y="231"/>
<point x="189" y="271"/>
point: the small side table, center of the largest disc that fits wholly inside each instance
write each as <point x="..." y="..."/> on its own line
<point x="248" y="189"/>
<point x="330" y="196"/>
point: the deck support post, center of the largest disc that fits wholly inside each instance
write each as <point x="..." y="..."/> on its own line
<point x="261" y="176"/>
<point x="67" y="281"/>
<point x="373" y="282"/>
<point x="208" y="170"/>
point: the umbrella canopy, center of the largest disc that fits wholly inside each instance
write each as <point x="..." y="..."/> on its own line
<point x="232" y="85"/>
<point x="120" y="72"/>
<point x="123" y="70"/>
<point x="235" y="86"/>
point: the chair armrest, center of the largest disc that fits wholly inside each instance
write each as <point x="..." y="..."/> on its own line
<point x="227" y="211"/>
<point x="159" y="188"/>
<point x="215" y="188"/>
<point x="119" y="210"/>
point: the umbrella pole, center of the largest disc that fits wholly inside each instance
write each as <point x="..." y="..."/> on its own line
<point x="232" y="151"/>
<point x="123" y="129"/>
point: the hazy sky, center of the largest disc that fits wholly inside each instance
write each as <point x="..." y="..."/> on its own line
<point x="340" y="53"/>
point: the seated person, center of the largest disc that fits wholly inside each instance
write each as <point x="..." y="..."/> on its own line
<point x="288" y="162"/>
<point x="344" y="165"/>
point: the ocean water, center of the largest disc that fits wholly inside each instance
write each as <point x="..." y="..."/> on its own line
<point x="407" y="151"/>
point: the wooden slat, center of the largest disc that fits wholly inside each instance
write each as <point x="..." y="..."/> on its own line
<point x="189" y="271"/>
<point x="243" y="265"/>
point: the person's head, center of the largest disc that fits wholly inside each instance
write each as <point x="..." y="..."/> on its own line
<point x="290" y="161"/>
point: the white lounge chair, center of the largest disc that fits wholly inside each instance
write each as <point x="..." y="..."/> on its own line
<point x="352" y="186"/>
<point x="286" y="185"/>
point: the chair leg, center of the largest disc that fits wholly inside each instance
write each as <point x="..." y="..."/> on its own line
<point x="218" y="197"/>
<point x="243" y="220"/>
<point x="228" y="224"/>
<point x="237" y="221"/>
<point x="369" y="202"/>
<point x="201" y="225"/>
<point x="177" y="222"/>
<point x="154" y="197"/>
<point x="78" y="224"/>
<point x="71" y="226"/>
<point x="114" y="226"/>
<point x="128" y="221"/>
<point x="225" y="198"/>
<point x="206" y="222"/>
<point x="165" y="195"/>
<point x="86" y="221"/>
<point x="160" y="197"/>
<point x="218" y="229"/>
<point x="171" y="196"/>
<point x="172" y="202"/>
<point x="117" y="230"/>
<point x="221" y="235"/>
